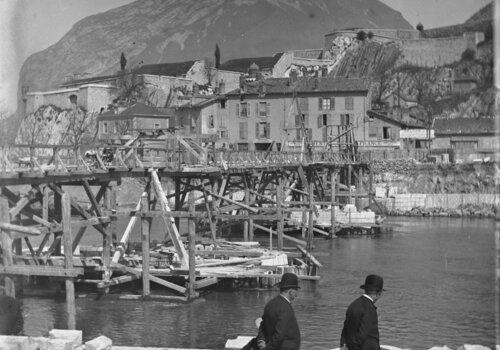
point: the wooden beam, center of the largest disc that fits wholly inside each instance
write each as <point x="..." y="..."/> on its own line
<point x="23" y="230"/>
<point x="290" y="238"/>
<point x="169" y="222"/>
<point x="52" y="271"/>
<point x="241" y="205"/>
<point x="145" y="231"/>
<point x="192" y="237"/>
<point x="68" y="260"/>
<point x="6" y="243"/>
<point x="310" y="256"/>
<point x="205" y="282"/>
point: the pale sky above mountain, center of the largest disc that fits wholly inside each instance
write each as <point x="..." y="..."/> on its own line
<point x="28" y="26"/>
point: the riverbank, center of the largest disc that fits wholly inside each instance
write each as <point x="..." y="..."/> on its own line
<point x="60" y="339"/>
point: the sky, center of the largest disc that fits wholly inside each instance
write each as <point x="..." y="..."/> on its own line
<point x="29" y="26"/>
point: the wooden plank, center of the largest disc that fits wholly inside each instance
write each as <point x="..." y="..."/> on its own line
<point x="6" y="243"/>
<point x="240" y="205"/>
<point x="333" y="183"/>
<point x="310" y="256"/>
<point x="167" y="284"/>
<point x="205" y="282"/>
<point x="280" y="224"/>
<point x="23" y="230"/>
<point x="68" y="260"/>
<point x="116" y="281"/>
<point x="290" y="238"/>
<point x="30" y="270"/>
<point x="302" y="224"/>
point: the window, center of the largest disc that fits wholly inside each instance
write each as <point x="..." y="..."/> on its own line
<point x="262" y="130"/>
<point x="105" y="128"/>
<point x="156" y="126"/>
<point x="73" y="99"/>
<point x="345" y="119"/>
<point x="349" y="103"/>
<point x="242" y="146"/>
<point x="386" y="133"/>
<point x="324" y="120"/>
<point x="326" y="103"/>
<point x="222" y="104"/>
<point x="211" y="122"/>
<point x="244" y="109"/>
<point x="372" y="130"/>
<point x="264" y="109"/>
<point x="223" y="134"/>
<point x="243" y="131"/>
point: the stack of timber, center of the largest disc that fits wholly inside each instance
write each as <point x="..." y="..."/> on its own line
<point x="225" y="264"/>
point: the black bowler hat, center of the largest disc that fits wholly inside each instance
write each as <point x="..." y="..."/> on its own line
<point x="373" y="283"/>
<point x="289" y="280"/>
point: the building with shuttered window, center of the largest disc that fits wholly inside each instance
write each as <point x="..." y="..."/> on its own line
<point x="281" y="111"/>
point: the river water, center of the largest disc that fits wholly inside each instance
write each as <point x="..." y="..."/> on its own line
<point x="439" y="274"/>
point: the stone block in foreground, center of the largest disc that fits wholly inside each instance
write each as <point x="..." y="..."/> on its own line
<point x="99" y="343"/>
<point x="238" y="343"/>
<point x="74" y="336"/>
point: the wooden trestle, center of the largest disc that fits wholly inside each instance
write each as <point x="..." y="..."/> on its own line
<point x="35" y="205"/>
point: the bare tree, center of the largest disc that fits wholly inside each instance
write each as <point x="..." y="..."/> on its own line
<point x="82" y="128"/>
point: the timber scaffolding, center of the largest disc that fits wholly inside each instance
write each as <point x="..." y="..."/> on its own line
<point x="35" y="206"/>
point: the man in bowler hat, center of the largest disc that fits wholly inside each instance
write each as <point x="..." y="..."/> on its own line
<point x="360" y="330"/>
<point x="279" y="329"/>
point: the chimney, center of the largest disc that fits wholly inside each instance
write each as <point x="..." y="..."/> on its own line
<point x="242" y="83"/>
<point x="293" y="76"/>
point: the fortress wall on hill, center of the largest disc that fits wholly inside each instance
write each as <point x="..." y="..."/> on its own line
<point x="433" y="52"/>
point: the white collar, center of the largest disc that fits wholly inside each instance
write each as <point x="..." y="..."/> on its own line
<point x="369" y="297"/>
<point x="286" y="298"/>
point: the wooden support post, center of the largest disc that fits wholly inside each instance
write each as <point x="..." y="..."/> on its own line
<point x="250" y="221"/>
<point x="333" y="182"/>
<point x="192" y="237"/>
<point x="349" y="174"/>
<point x="58" y="215"/>
<point x="370" y="180"/>
<point x="247" y="202"/>
<point x="68" y="260"/>
<point x="177" y="204"/>
<point x="6" y="243"/>
<point x="279" y="199"/>
<point x="310" y="232"/>
<point x="145" y="230"/>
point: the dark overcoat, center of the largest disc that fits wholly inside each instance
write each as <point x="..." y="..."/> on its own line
<point x="360" y="330"/>
<point x="279" y="327"/>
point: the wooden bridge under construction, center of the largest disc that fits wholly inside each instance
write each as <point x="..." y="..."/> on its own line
<point x="186" y="182"/>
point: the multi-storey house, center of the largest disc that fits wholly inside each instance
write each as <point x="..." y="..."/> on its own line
<point x="282" y="111"/>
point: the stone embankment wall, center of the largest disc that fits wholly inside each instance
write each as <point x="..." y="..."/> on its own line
<point x="405" y="187"/>
<point x="451" y="204"/>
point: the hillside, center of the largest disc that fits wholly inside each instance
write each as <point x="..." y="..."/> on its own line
<point x="153" y="31"/>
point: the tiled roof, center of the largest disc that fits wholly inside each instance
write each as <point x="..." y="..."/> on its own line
<point x="242" y="64"/>
<point x="305" y="85"/>
<point x="167" y="69"/>
<point x="139" y="110"/>
<point x="464" y="126"/>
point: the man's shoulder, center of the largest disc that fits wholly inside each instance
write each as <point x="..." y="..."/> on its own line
<point x="276" y="302"/>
